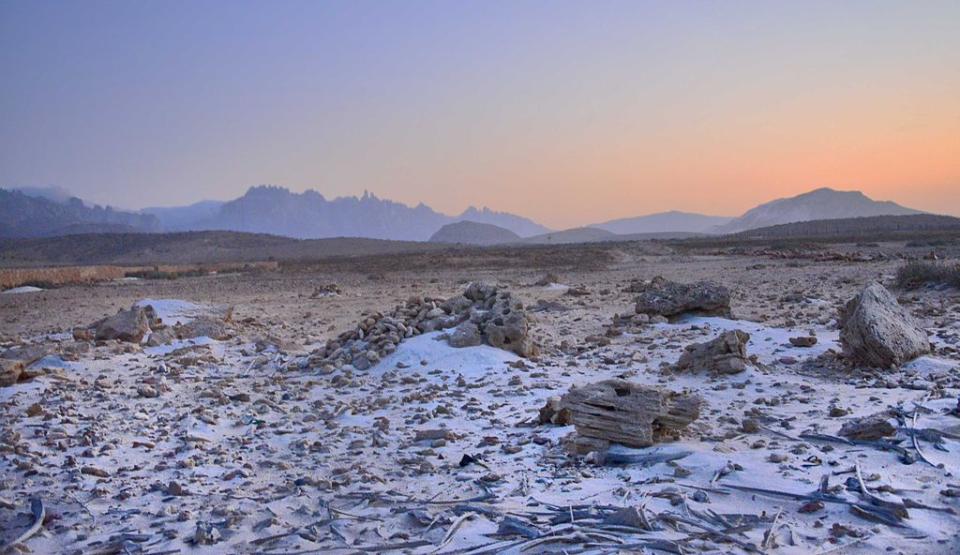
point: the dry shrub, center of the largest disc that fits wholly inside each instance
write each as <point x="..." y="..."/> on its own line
<point x="916" y="273"/>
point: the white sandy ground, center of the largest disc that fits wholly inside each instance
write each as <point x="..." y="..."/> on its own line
<point x="329" y="463"/>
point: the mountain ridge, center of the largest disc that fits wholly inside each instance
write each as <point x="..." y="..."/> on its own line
<point x="823" y="203"/>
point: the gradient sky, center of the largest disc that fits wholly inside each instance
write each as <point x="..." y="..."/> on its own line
<point x="566" y="112"/>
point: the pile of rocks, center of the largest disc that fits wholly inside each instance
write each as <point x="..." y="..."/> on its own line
<point x="661" y="297"/>
<point x="483" y="314"/>
<point x="133" y="324"/>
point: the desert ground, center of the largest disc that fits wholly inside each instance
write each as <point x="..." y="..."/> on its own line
<point x="253" y="439"/>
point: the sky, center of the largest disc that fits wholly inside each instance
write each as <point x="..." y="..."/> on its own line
<point x="566" y="112"/>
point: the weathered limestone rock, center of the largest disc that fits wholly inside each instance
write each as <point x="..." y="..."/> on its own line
<point x="618" y="411"/>
<point x="727" y="354"/>
<point x="466" y="334"/>
<point x="874" y="426"/>
<point x="127" y="325"/>
<point x="209" y="326"/>
<point x="803" y="341"/>
<point x="875" y="330"/>
<point x="163" y="336"/>
<point x="552" y="413"/>
<point x="10" y="371"/>
<point x="661" y="297"/>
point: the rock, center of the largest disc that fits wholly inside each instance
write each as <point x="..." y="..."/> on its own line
<point x="94" y="471"/>
<point x="667" y="298"/>
<point x="875" y="426"/>
<point x="750" y="426"/>
<point x="548" y="279"/>
<point x="552" y="413"/>
<point x="361" y="362"/>
<point x="875" y="330"/>
<point x="204" y="326"/>
<point x="127" y="325"/>
<point x="163" y="336"/>
<point x="148" y="391"/>
<point x="206" y="534"/>
<point x="466" y="334"/>
<point x="618" y="411"/>
<point x="803" y="341"/>
<point x="34" y="410"/>
<point x="727" y="354"/>
<point x="438" y="433"/>
<point x="10" y="371"/>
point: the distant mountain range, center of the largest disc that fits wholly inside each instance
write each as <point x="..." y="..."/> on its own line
<point x="309" y="215"/>
<point x="33" y="212"/>
<point x="819" y="204"/>
<point x="25" y="215"/>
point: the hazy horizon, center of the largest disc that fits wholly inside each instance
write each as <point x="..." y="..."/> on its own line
<point x="568" y="113"/>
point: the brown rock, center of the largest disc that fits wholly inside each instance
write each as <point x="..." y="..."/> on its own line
<point x="727" y="354"/>
<point x="874" y="426"/>
<point x="618" y="411"/>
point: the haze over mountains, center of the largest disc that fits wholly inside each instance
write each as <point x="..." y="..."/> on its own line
<point x="35" y="212"/>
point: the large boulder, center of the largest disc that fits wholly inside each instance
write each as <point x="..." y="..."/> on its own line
<point x="127" y="325"/>
<point x="660" y="297"/>
<point x="727" y="354"/>
<point x="876" y="331"/>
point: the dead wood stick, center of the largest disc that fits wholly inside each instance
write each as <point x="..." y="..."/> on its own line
<point x="39" y="514"/>
<point x="913" y="436"/>
<point x="453" y="528"/>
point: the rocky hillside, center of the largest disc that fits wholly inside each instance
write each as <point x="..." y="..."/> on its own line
<point x="24" y="215"/>
<point x="873" y="226"/>
<point x="820" y="204"/>
<point x="576" y="235"/>
<point x="473" y="233"/>
<point x="664" y="222"/>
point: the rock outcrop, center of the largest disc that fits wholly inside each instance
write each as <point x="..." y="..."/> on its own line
<point x="727" y="354"/>
<point x="876" y="331"/>
<point x="660" y="297"/>
<point x="618" y="411"/>
<point x="483" y="314"/>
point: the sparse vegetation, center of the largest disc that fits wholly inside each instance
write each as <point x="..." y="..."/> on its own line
<point x="916" y="273"/>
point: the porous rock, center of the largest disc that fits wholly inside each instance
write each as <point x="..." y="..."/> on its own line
<point x="661" y="297"/>
<point x="727" y="354"/>
<point x="618" y="411"/>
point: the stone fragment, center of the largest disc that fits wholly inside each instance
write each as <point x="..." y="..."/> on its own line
<point x="10" y="371"/>
<point x="466" y="334"/>
<point x="875" y="426"/>
<point x="726" y="354"/>
<point x="803" y="341"/>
